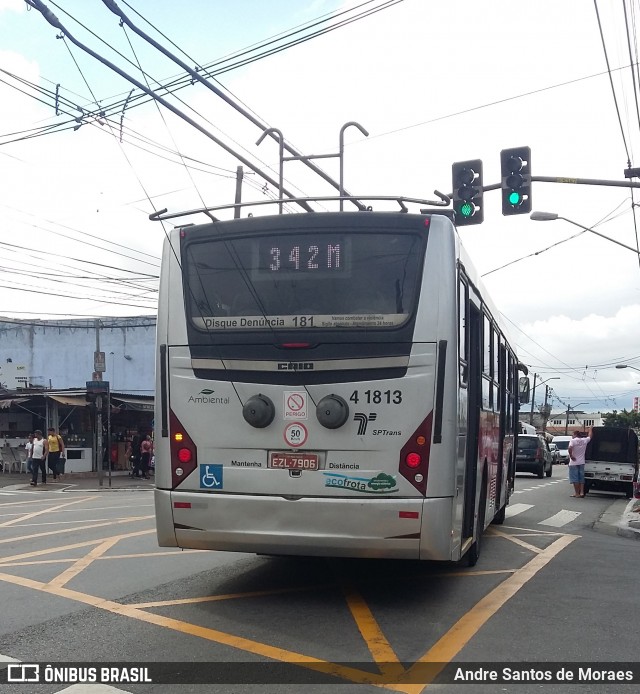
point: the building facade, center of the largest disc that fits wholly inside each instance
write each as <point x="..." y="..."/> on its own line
<point x="43" y="382"/>
<point x="61" y="353"/>
<point x="559" y="424"/>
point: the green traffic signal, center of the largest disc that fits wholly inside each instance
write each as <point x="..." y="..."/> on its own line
<point x="515" y="198"/>
<point x="515" y="175"/>
<point x="466" y="177"/>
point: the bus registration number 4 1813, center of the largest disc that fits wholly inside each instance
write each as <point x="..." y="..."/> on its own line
<point x="293" y="461"/>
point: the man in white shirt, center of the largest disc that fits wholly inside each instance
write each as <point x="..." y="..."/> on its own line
<point x="28" y="449"/>
<point x="39" y="454"/>
<point x="577" y="450"/>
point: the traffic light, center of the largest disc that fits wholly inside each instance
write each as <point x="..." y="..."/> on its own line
<point x="467" y="192"/>
<point x="515" y="168"/>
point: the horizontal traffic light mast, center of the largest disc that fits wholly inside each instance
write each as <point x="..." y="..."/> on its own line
<point x="515" y="183"/>
<point x="567" y="179"/>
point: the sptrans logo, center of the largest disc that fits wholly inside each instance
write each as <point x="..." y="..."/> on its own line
<point x="363" y="420"/>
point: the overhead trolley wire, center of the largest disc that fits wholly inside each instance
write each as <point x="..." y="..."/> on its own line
<point x="635" y="95"/>
<point x="111" y="5"/>
<point x="55" y="22"/>
<point x="615" y="98"/>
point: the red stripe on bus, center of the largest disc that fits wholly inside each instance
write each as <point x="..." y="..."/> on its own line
<point x="408" y="514"/>
<point x="181" y="504"/>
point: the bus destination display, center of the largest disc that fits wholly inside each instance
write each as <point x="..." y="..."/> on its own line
<point x="303" y="255"/>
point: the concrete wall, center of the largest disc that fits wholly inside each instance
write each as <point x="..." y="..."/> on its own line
<point x="60" y="354"/>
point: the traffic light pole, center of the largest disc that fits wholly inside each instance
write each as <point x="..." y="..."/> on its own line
<point x="576" y="181"/>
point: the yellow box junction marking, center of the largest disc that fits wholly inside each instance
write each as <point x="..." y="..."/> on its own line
<point x="392" y="675"/>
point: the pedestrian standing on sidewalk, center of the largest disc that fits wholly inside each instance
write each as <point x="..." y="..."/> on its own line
<point x="56" y="450"/>
<point x="136" y="442"/>
<point x="28" y="449"/>
<point x="145" y="456"/>
<point x="39" y="454"/>
<point x="577" y="450"/>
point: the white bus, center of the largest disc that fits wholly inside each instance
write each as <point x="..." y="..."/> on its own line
<point x="333" y="383"/>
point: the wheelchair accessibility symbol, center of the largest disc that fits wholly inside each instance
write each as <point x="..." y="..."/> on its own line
<point x="210" y="476"/>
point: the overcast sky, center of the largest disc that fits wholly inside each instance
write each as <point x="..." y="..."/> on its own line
<point x="432" y="83"/>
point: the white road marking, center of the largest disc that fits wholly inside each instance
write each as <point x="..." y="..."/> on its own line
<point x="538" y="486"/>
<point x="561" y="518"/>
<point x="92" y="689"/>
<point x="515" y="509"/>
<point x="4" y="659"/>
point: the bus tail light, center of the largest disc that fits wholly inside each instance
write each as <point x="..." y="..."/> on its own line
<point x="414" y="456"/>
<point x="184" y="454"/>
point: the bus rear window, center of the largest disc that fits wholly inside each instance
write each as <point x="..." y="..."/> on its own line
<point x="304" y="280"/>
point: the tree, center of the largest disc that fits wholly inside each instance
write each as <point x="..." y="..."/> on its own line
<point x="622" y="419"/>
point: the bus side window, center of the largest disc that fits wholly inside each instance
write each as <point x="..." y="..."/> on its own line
<point x="463" y="336"/>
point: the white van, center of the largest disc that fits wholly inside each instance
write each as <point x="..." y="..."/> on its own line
<point x="562" y="442"/>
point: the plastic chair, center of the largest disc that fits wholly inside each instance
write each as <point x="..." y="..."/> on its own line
<point x="7" y="465"/>
<point x="22" y="461"/>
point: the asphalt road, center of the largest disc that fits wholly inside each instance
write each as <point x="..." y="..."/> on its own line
<point x="82" y="579"/>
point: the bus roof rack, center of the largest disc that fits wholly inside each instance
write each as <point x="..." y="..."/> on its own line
<point x="162" y="215"/>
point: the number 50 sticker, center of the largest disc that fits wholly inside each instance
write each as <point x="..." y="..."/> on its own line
<point x="295" y="434"/>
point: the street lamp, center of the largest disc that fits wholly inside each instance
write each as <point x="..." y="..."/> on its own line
<point x="626" y="366"/>
<point x="552" y="216"/>
<point x="566" y="423"/>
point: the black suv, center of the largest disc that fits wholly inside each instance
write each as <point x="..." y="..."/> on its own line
<point x="533" y="455"/>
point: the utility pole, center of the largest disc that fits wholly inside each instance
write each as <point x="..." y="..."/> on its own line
<point x="98" y="370"/>
<point x="546" y="413"/>
<point x="533" y="397"/>
<point x="546" y="393"/>
<point x="239" y="176"/>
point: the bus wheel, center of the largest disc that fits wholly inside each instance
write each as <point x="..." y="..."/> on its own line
<point x="499" y="518"/>
<point x="474" y="551"/>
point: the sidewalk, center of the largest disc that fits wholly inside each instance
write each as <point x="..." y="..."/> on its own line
<point x="80" y="481"/>
<point x="629" y="526"/>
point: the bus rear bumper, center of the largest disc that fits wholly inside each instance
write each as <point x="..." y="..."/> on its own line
<point x="367" y="528"/>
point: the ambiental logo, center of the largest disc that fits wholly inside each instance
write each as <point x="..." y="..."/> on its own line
<point x="205" y="397"/>
<point x="363" y="420"/>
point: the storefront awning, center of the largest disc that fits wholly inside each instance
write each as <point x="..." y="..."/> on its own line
<point x="73" y="400"/>
<point x="6" y="404"/>
<point x="129" y="403"/>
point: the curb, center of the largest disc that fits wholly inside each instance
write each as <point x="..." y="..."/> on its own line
<point x="629" y="526"/>
<point x="99" y="490"/>
<point x="69" y="487"/>
<point x="622" y="518"/>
